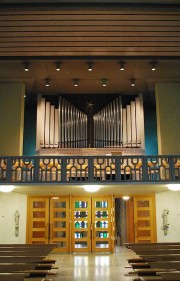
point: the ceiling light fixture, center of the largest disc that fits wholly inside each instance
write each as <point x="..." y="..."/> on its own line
<point x="125" y="197"/>
<point x="26" y="66"/>
<point x="76" y="82"/>
<point x="133" y="82"/>
<point x="153" y="66"/>
<point x="47" y="82"/>
<point x="174" y="187"/>
<point x="58" y="66"/>
<point x="90" y="66"/>
<point x="91" y="188"/>
<point x="121" y="65"/>
<point x="104" y="82"/>
<point x="6" y="188"/>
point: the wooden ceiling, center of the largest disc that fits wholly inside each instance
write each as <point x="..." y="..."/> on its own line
<point x="102" y="34"/>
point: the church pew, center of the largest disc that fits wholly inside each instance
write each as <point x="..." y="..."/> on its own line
<point x="167" y="257"/>
<point x="13" y="277"/>
<point x="157" y="251"/>
<point x="170" y="275"/>
<point x="165" y="264"/>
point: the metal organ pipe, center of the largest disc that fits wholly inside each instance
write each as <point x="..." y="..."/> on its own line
<point x="120" y="126"/>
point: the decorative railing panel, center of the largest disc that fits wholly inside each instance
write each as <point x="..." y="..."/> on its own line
<point x="89" y="169"/>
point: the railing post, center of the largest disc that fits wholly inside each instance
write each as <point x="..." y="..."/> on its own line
<point x="171" y="168"/>
<point x="63" y="169"/>
<point x="36" y="169"/>
<point x="145" y="169"/>
<point x="90" y="169"/>
<point x="117" y="169"/>
<point x="9" y="170"/>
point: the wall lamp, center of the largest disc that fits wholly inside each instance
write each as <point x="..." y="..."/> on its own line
<point x="26" y="66"/>
<point x="90" y="66"/>
<point x="47" y="82"/>
<point x="133" y="82"/>
<point x="76" y="82"/>
<point x="58" y="66"/>
<point x="122" y="65"/>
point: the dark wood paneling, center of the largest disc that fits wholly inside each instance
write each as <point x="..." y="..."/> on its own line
<point x="93" y="32"/>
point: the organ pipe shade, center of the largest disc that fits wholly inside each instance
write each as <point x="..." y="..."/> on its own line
<point x="118" y="124"/>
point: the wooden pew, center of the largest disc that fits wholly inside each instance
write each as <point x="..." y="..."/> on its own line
<point x="157" y="251"/>
<point x="12" y="277"/>
<point x="170" y="275"/>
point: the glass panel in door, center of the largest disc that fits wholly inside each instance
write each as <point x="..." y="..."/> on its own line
<point x="102" y="236"/>
<point x="81" y="224"/>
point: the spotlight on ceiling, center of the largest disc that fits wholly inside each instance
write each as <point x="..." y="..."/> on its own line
<point x="76" y="82"/>
<point x="91" y="188"/>
<point x="26" y="66"/>
<point x="47" y="81"/>
<point x="121" y="65"/>
<point x="104" y="82"/>
<point x="90" y="66"/>
<point x="58" y="66"/>
<point x="153" y="65"/>
<point x="133" y="82"/>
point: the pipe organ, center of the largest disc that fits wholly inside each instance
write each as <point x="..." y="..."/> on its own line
<point x="117" y="125"/>
<point x="62" y="125"/>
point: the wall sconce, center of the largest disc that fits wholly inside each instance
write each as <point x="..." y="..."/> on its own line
<point x="90" y="66"/>
<point x="153" y="65"/>
<point x="125" y="197"/>
<point x="58" y="66"/>
<point x="104" y="82"/>
<point x="47" y="82"/>
<point x="121" y="65"/>
<point x="133" y="82"/>
<point x="76" y="82"/>
<point x="26" y="66"/>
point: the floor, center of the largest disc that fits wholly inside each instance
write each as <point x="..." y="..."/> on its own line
<point x="93" y="267"/>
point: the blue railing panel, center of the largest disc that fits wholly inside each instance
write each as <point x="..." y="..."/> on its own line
<point x="89" y="169"/>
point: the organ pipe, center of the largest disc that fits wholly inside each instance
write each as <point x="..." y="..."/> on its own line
<point x="119" y="126"/>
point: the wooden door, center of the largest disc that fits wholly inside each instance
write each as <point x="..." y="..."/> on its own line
<point x="102" y="221"/>
<point x="144" y="219"/>
<point x="81" y="224"/>
<point x="59" y="223"/>
<point x="38" y="221"/>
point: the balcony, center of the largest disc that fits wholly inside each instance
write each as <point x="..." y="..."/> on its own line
<point x="89" y="169"/>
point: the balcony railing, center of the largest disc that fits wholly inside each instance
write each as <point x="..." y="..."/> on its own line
<point x="89" y="169"/>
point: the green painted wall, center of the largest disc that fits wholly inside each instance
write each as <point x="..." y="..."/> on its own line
<point x="168" y="117"/>
<point x="11" y="118"/>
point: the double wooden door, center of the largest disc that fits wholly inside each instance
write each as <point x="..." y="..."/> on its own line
<point x="48" y="221"/>
<point x="92" y="224"/>
<point x="77" y="224"/>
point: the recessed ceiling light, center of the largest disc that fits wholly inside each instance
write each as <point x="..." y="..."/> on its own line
<point x="6" y="188"/>
<point x="125" y="197"/>
<point x="174" y="187"/>
<point x="91" y="188"/>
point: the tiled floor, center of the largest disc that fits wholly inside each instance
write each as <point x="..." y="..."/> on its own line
<point x="93" y="267"/>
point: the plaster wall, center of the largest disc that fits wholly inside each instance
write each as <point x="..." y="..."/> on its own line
<point x="12" y="118"/>
<point x="9" y="203"/>
<point x="168" y="200"/>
